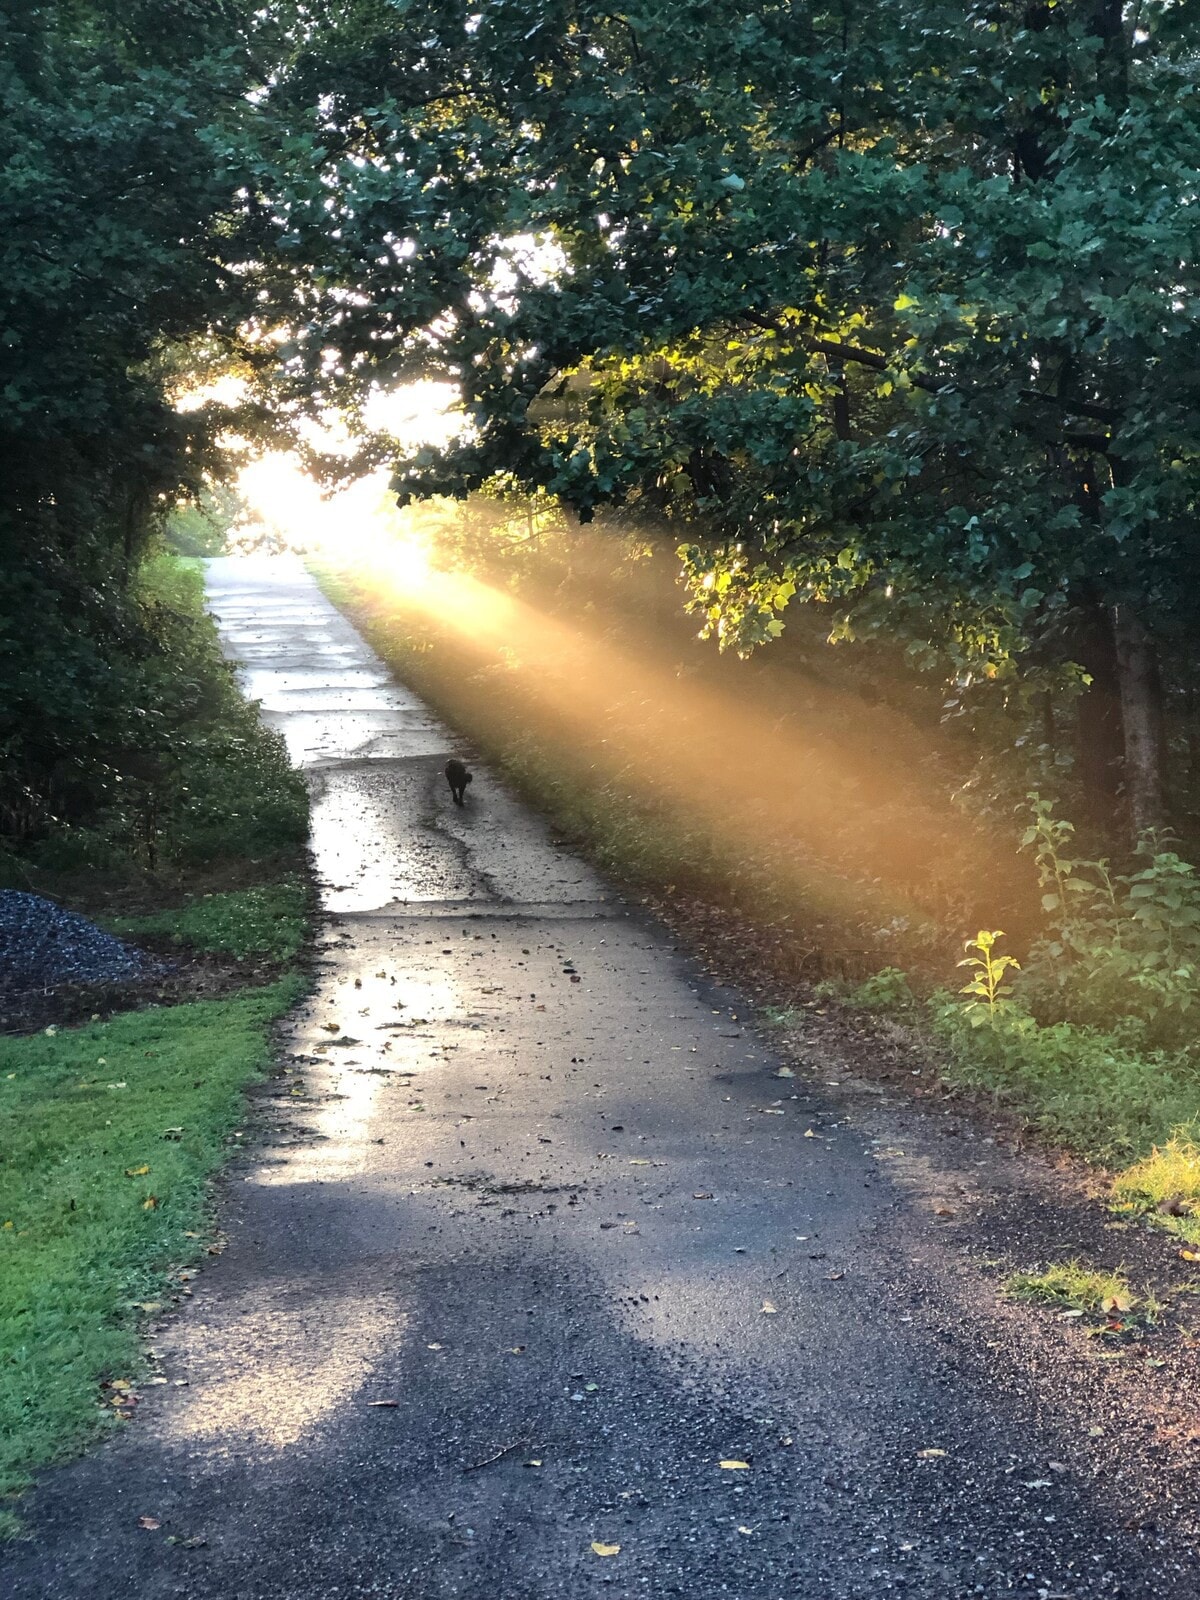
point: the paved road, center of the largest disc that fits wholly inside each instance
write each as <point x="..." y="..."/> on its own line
<point x="535" y="1243"/>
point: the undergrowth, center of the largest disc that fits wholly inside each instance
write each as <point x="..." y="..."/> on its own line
<point x="193" y="778"/>
<point x="1079" y="1086"/>
<point x="268" y="920"/>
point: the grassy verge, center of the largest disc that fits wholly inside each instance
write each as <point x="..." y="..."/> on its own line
<point x="109" y="1134"/>
<point x="1079" y="1086"/>
<point x="1071" y="1286"/>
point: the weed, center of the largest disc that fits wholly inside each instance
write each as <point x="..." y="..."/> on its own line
<point x="778" y="1016"/>
<point x="1071" y="1286"/>
<point x="886" y="990"/>
<point x="990" y="994"/>
<point x="1165" y="1186"/>
<point x="109" y="1134"/>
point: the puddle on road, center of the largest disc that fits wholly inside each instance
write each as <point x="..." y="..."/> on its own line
<point x="372" y="848"/>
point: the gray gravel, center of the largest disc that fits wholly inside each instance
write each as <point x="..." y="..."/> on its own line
<point x="41" y="945"/>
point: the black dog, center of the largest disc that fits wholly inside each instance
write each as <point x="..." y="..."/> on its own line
<point x="458" y="778"/>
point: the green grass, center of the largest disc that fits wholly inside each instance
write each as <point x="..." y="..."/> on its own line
<point x="1071" y="1286"/>
<point x="82" y="1248"/>
<point x="266" y="921"/>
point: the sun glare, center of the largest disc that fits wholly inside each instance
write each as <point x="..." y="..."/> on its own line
<point x="288" y="510"/>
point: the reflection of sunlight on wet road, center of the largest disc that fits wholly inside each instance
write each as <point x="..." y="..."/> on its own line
<point x="289" y="1359"/>
<point x="392" y="1019"/>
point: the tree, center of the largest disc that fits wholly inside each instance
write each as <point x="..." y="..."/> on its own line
<point x="130" y="232"/>
<point x="891" y="305"/>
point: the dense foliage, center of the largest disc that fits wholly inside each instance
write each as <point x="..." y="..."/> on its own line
<point x="197" y="777"/>
<point x="126" y="227"/>
<point x="888" y="305"/>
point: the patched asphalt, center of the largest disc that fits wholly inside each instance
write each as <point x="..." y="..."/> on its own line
<point x="533" y="1244"/>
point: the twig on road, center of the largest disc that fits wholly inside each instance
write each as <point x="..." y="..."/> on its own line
<point x="488" y="1460"/>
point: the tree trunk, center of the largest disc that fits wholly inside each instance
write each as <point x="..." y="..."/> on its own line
<point x="1100" y="744"/>
<point x="1142" y="720"/>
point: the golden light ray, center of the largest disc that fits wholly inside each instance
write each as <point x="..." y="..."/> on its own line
<point x="834" y="777"/>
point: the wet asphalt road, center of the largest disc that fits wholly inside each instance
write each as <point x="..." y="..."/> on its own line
<point x="531" y="1241"/>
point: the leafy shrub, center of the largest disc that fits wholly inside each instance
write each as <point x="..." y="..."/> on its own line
<point x="1120" y="945"/>
<point x="190" y="774"/>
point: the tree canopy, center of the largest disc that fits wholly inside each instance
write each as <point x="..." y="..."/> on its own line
<point x="129" y="229"/>
<point x="887" y="304"/>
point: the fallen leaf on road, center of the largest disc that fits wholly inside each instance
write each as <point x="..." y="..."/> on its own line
<point x="136" y="1172"/>
<point x="785" y="1072"/>
<point x="943" y="1211"/>
<point x="705" y="1195"/>
<point x="435" y="1347"/>
<point x="736" y="1466"/>
<point x="1190" y="1255"/>
<point x="605" y="1549"/>
<point x="809" y="1134"/>
<point x="770" y="1111"/>
<point x="149" y="1522"/>
<point x="590" y="1388"/>
<point x="743" y="1529"/>
<point x="390" y="1404"/>
<point x="768" y="1308"/>
<point x="836" y="1277"/>
<point x="534" y="1463"/>
<point x="929" y="1455"/>
<point x="196" y="1542"/>
<point x="516" y="1350"/>
<point x="639" y="1161"/>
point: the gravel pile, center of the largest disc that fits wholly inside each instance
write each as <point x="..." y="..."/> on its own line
<point x="42" y="945"/>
